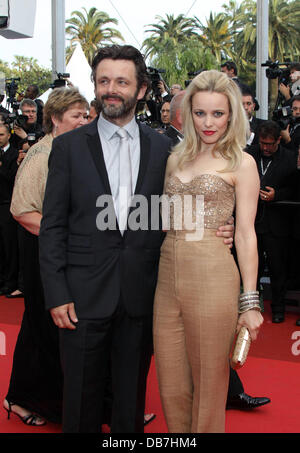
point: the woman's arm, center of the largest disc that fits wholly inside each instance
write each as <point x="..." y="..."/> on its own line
<point x="247" y="186"/>
<point x="31" y="221"/>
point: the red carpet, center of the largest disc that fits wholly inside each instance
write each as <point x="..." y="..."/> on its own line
<point x="273" y="370"/>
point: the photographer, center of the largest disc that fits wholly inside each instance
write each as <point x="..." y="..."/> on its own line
<point x="291" y="135"/>
<point x="24" y="127"/>
<point x="294" y="87"/>
<point x="8" y="226"/>
<point x="32" y="92"/>
<point x="250" y="105"/>
<point x="2" y="109"/>
<point x="278" y="174"/>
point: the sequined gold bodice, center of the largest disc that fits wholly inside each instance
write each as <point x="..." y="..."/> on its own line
<point x="216" y="201"/>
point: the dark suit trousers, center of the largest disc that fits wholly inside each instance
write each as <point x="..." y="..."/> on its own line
<point x="276" y="249"/>
<point x="86" y="354"/>
<point x="9" y="248"/>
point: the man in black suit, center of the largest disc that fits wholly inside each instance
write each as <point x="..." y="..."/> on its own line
<point x="32" y="92"/>
<point x="278" y="174"/>
<point x="250" y="105"/>
<point x="8" y="226"/>
<point x="174" y="131"/>
<point x="29" y="127"/>
<point x="3" y="111"/>
<point x="99" y="276"/>
<point x="291" y="135"/>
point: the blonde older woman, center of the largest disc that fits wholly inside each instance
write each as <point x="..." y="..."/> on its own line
<point x="36" y="378"/>
<point x="196" y="310"/>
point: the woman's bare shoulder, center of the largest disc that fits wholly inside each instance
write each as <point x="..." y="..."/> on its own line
<point x="248" y="162"/>
<point x="172" y="163"/>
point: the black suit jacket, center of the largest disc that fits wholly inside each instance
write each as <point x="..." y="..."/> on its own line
<point x="254" y="126"/>
<point x="80" y="263"/>
<point x="173" y="134"/>
<point x="8" y="170"/>
<point x="281" y="176"/>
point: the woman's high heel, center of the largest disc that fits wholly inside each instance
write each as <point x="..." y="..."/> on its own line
<point x="30" y="419"/>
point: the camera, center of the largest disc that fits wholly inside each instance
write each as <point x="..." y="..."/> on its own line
<point x="11" y="88"/>
<point x="155" y="77"/>
<point x="275" y="72"/>
<point x="192" y="75"/>
<point x="283" y="117"/>
<point x="60" y="81"/>
<point x="15" y="119"/>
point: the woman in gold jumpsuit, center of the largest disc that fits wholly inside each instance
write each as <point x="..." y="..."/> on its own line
<point x="196" y="303"/>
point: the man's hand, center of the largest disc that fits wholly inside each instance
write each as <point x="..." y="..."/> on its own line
<point x="285" y="134"/>
<point x="21" y="156"/>
<point x="19" y="131"/>
<point x="285" y="91"/>
<point x="162" y="88"/>
<point x="268" y="194"/>
<point x="227" y="232"/>
<point x="64" y="316"/>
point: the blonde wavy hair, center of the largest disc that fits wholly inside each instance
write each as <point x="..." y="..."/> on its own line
<point x="59" y="101"/>
<point x="231" y="145"/>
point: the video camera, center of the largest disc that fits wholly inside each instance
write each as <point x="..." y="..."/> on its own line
<point x="283" y="117"/>
<point x="11" y="88"/>
<point x="15" y="119"/>
<point x="192" y="75"/>
<point x="155" y="77"/>
<point x="60" y="81"/>
<point x="274" y="71"/>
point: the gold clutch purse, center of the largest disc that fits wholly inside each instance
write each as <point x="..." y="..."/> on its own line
<point x="240" y="349"/>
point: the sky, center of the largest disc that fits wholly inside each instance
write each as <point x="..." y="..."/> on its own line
<point x="133" y="16"/>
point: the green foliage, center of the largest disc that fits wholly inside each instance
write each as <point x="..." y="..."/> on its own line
<point x="29" y="72"/>
<point x="179" y="60"/>
<point x="90" y="30"/>
<point x="228" y="35"/>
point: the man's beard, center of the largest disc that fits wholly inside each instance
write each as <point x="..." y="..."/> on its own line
<point x="116" y="111"/>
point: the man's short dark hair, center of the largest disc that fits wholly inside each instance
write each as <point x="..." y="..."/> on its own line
<point x="29" y="102"/>
<point x="246" y="91"/>
<point x="230" y="65"/>
<point x="269" y="129"/>
<point x="6" y="127"/>
<point x="35" y="89"/>
<point x="296" y="98"/>
<point x="295" y="66"/>
<point x="117" y="52"/>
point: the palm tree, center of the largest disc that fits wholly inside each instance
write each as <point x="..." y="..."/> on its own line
<point x="216" y="35"/>
<point x="90" y="30"/>
<point x="284" y="26"/>
<point x="168" y="33"/>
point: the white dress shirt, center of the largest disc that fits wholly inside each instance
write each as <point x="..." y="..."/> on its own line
<point x="110" y="145"/>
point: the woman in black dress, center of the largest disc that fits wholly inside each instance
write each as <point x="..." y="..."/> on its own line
<point x="35" y="389"/>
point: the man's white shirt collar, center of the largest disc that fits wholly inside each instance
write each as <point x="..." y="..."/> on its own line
<point x="109" y="129"/>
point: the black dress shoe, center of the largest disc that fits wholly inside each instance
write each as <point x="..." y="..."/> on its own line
<point x="298" y="322"/>
<point x="4" y="290"/>
<point x="277" y="318"/>
<point x="244" y="401"/>
<point x="14" y="296"/>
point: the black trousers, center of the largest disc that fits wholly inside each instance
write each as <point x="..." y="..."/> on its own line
<point x="36" y="380"/>
<point x="9" y="249"/>
<point x="119" y="344"/>
<point x="276" y="249"/>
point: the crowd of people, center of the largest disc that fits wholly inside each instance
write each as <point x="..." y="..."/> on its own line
<point x="100" y="301"/>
